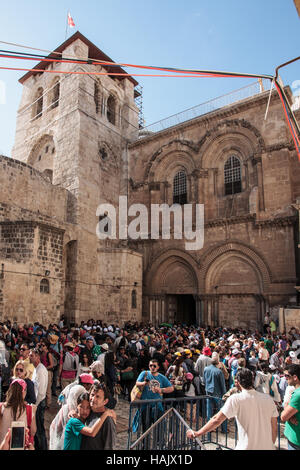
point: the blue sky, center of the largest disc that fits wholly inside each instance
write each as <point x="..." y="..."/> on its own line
<point x="252" y="36"/>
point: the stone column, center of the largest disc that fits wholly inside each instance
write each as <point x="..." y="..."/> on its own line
<point x="156" y="310"/>
<point x="216" y="310"/>
<point x="198" y="310"/>
<point x="209" y="312"/>
<point x="163" y="309"/>
<point x="151" y="310"/>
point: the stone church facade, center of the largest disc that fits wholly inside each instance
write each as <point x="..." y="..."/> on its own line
<point x="78" y="145"/>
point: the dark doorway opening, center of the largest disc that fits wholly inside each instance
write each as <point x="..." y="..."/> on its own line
<point x="182" y="308"/>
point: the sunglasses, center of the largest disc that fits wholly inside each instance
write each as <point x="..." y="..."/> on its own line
<point x="153" y="365"/>
<point x="19" y="370"/>
<point x="287" y="375"/>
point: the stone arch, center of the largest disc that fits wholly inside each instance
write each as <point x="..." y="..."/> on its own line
<point x="241" y="275"/>
<point x="176" y="146"/>
<point x="235" y="134"/>
<point x="172" y="263"/>
<point x="42" y="155"/>
<point x="249" y="255"/>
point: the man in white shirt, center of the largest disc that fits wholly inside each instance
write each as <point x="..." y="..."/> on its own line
<point x="255" y="414"/>
<point x="40" y="380"/>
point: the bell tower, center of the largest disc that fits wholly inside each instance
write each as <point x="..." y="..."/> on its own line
<point x="74" y="126"/>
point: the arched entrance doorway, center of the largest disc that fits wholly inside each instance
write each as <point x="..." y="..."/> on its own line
<point x="234" y="292"/>
<point x="172" y="290"/>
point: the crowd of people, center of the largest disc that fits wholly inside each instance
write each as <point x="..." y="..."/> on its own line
<point x="88" y="367"/>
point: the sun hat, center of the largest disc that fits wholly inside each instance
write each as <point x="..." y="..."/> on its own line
<point x="53" y="339"/>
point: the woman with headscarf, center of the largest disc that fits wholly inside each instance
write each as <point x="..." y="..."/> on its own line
<point x="57" y="427"/>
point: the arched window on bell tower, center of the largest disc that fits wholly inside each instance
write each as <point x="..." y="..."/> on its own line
<point x="39" y="103"/>
<point x="55" y="94"/>
<point x="111" y="109"/>
<point x="180" y="188"/>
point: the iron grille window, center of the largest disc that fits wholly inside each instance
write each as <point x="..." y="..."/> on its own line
<point x="232" y="176"/>
<point x="180" y="188"/>
<point x="44" y="286"/>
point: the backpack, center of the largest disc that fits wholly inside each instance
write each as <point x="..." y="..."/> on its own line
<point x="70" y="363"/>
<point x="133" y="349"/>
<point x="56" y="355"/>
<point x="53" y="358"/>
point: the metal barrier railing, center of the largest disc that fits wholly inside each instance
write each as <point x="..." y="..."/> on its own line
<point x="167" y="433"/>
<point x="162" y="424"/>
<point x="204" y="108"/>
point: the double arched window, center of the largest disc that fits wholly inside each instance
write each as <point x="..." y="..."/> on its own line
<point x="180" y="188"/>
<point x="232" y="176"/>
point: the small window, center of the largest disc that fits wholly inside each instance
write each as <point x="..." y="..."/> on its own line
<point x="180" y="188"/>
<point x="44" y="286"/>
<point x="103" y="153"/>
<point x="133" y="299"/>
<point x="232" y="176"/>
<point x="48" y="174"/>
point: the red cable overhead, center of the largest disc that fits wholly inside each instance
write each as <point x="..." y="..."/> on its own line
<point x="176" y="72"/>
<point x="111" y="73"/>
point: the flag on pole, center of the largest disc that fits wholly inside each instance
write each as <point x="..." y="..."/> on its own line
<point x="70" y="21"/>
